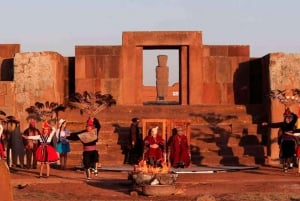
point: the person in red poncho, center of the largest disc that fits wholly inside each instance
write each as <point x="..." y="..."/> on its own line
<point x="154" y="146"/>
<point x="179" y="149"/>
<point x="45" y="153"/>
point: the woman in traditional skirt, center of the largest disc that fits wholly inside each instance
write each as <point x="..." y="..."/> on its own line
<point x="63" y="144"/>
<point x="45" y="153"/>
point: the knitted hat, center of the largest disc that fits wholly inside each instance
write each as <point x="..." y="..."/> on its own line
<point x="32" y="122"/>
<point x="46" y="125"/>
<point x="90" y="122"/>
<point x="287" y="112"/>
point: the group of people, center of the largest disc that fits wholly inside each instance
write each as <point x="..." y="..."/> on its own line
<point x="45" y="146"/>
<point x="155" y="150"/>
<point x="48" y="145"/>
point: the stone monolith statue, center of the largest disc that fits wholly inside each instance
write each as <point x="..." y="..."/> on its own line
<point x="162" y="78"/>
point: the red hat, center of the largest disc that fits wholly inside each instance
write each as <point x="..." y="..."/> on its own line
<point x="46" y="125"/>
<point x="32" y="122"/>
<point x="287" y="112"/>
<point x="90" y="122"/>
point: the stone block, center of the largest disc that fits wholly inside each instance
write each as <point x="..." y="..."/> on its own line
<point x="90" y="65"/>
<point x="153" y="38"/>
<point x="80" y="67"/>
<point x="9" y="50"/>
<point x="223" y="70"/>
<point x="84" y="50"/>
<point x="209" y="69"/>
<point x="206" y="51"/>
<point x="85" y="85"/>
<point x="230" y="93"/>
<point x="218" y="50"/>
<point x="239" y="50"/>
<point x="112" y="67"/>
<point x="212" y="93"/>
<point x="108" y="50"/>
<point x="111" y="86"/>
<point x="5" y="182"/>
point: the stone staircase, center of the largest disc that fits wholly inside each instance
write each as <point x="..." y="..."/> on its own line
<point x="220" y="134"/>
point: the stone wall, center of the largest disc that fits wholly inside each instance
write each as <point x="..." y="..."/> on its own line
<point x="7" y="52"/>
<point x="221" y="74"/>
<point x="8" y="97"/>
<point x="7" y="86"/>
<point x="220" y="69"/>
<point x="98" y="68"/>
<point x="38" y="76"/>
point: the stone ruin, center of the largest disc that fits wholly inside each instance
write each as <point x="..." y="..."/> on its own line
<point x="208" y="74"/>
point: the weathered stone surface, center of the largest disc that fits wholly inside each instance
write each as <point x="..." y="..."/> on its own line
<point x="162" y="77"/>
<point x="284" y="71"/>
<point x="39" y="76"/>
<point x="5" y="183"/>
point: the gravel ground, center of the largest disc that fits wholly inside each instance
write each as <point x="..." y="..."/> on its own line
<point x="264" y="183"/>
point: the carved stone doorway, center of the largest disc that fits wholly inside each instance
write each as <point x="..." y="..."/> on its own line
<point x="151" y="67"/>
<point x="189" y="44"/>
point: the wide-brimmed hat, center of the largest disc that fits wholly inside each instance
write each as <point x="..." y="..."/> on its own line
<point x="61" y="121"/>
<point x="12" y="119"/>
<point x="33" y="116"/>
<point x="2" y="116"/>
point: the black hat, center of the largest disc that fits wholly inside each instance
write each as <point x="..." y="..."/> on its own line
<point x="135" y="119"/>
<point x="12" y="119"/>
<point x="2" y="116"/>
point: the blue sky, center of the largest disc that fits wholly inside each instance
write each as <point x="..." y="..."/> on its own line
<point x="58" y="25"/>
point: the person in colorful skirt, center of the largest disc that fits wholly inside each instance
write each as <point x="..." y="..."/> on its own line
<point x="63" y="144"/>
<point x="45" y="153"/>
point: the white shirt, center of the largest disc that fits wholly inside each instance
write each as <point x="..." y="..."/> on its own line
<point x="38" y="137"/>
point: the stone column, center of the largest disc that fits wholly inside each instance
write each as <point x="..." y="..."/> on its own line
<point x="162" y="78"/>
<point x="5" y="183"/>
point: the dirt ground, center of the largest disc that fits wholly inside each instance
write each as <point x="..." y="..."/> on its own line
<point x="263" y="183"/>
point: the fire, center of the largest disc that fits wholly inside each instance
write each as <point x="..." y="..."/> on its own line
<point x="144" y="168"/>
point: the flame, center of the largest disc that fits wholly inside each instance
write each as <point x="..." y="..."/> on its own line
<point x="143" y="167"/>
